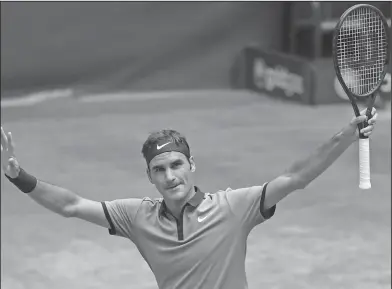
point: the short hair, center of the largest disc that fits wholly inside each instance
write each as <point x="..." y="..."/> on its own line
<point x="163" y="135"/>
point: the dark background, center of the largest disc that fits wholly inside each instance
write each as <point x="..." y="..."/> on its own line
<point x="135" y="45"/>
<point x="149" y="45"/>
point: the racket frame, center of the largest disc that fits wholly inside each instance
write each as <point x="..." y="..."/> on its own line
<point x="371" y="93"/>
<point x="364" y="140"/>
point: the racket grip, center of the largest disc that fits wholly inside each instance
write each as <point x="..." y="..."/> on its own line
<point x="364" y="164"/>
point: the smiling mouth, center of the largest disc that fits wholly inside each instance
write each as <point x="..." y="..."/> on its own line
<point x="170" y="188"/>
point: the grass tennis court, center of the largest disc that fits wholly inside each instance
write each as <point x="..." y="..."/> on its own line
<point x="330" y="235"/>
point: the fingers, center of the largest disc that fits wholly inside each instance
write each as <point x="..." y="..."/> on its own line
<point x="359" y="119"/>
<point x="10" y="144"/>
<point x="367" y="131"/>
<point x="373" y="120"/>
<point x="4" y="141"/>
<point x="7" y="143"/>
<point x="363" y="112"/>
<point x="364" y="118"/>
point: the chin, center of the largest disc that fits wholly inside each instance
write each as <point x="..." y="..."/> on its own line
<point x="177" y="193"/>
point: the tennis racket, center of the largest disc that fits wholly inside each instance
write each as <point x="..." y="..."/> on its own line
<point x="360" y="55"/>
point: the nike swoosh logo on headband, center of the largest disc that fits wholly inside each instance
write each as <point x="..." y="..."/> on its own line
<point x="159" y="147"/>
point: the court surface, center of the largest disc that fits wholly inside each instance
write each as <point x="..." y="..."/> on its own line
<point x="330" y="235"/>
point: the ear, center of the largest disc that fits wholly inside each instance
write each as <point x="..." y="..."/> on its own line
<point x="148" y="175"/>
<point x="193" y="164"/>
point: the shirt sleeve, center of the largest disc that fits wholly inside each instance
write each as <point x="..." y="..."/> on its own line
<point x="248" y="205"/>
<point x="121" y="216"/>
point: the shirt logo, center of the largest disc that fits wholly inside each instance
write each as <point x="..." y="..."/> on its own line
<point x="201" y="219"/>
<point x="159" y="147"/>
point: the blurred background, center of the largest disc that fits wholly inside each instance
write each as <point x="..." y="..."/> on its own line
<point x="124" y="45"/>
<point x="83" y="83"/>
<point x="153" y="45"/>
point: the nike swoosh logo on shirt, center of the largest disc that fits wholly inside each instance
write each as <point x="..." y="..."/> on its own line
<point x="201" y="219"/>
<point x="165" y="144"/>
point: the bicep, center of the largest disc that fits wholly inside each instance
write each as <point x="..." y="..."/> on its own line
<point x="279" y="188"/>
<point x="246" y="204"/>
<point x="90" y="211"/>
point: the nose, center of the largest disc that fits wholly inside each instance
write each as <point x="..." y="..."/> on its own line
<point x="169" y="175"/>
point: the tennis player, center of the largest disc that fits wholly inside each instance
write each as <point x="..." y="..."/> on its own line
<point x="191" y="239"/>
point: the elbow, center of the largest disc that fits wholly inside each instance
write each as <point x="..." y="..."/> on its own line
<point x="297" y="180"/>
<point x="68" y="211"/>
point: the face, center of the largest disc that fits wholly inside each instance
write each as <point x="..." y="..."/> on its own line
<point x="172" y="175"/>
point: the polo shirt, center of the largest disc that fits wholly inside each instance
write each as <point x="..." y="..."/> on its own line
<point x="205" y="248"/>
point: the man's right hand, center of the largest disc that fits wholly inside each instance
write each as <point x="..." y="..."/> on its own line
<point x="9" y="163"/>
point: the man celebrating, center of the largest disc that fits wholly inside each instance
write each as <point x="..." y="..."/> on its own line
<point x="189" y="238"/>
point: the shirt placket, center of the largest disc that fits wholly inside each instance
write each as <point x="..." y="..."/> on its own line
<point x="180" y="224"/>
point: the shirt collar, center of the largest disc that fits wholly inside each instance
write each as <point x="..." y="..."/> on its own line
<point x="194" y="201"/>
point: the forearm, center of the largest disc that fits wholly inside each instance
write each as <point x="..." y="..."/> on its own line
<point x="306" y="170"/>
<point x="54" y="198"/>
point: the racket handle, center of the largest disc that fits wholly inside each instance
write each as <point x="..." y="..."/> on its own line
<point x="364" y="164"/>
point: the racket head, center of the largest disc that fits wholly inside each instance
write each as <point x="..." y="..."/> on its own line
<point x="360" y="50"/>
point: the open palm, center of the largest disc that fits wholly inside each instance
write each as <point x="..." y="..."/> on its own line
<point x="9" y="163"/>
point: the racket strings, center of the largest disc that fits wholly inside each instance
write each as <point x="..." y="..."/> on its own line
<point x="362" y="50"/>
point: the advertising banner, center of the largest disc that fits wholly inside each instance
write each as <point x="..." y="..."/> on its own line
<point x="291" y="78"/>
<point x="278" y="75"/>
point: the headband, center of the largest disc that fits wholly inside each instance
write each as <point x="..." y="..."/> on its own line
<point x="166" y="146"/>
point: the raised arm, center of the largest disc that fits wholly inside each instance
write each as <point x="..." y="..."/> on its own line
<point x="68" y="204"/>
<point x="304" y="171"/>
<point x="56" y="199"/>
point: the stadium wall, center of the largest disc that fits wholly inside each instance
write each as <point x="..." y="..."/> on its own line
<point x="292" y="78"/>
<point x="129" y="45"/>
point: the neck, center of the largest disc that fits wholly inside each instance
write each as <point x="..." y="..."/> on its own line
<point x="175" y="207"/>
